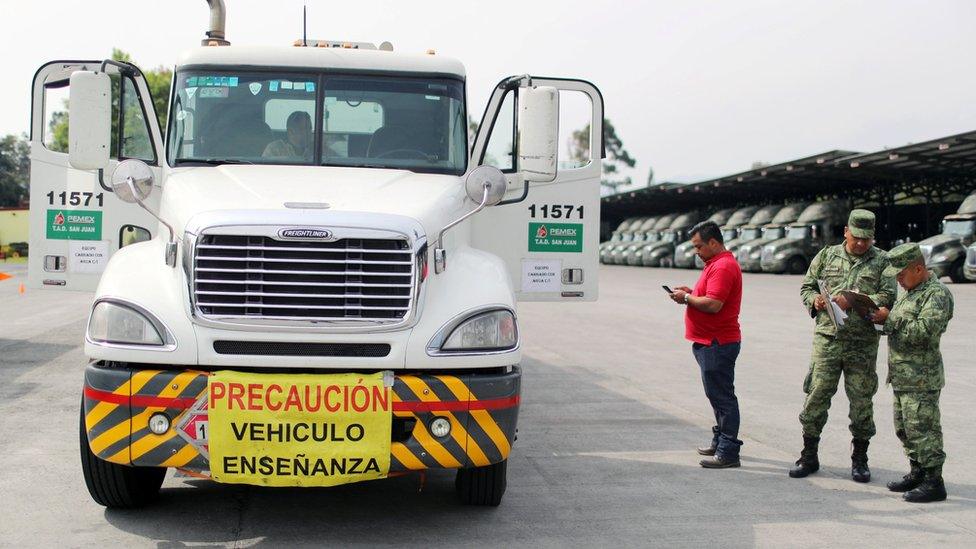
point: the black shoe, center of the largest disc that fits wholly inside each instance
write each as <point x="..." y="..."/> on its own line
<point x="910" y="481"/>
<point x="860" y="471"/>
<point x="718" y="462"/>
<point x="707" y="450"/>
<point x="931" y="489"/>
<point x="808" y="462"/>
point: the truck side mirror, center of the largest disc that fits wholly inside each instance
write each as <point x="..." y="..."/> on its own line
<point x="89" y="120"/>
<point x="538" y="133"/>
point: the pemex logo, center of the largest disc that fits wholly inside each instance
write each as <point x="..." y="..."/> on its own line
<point x="59" y="219"/>
<point x="541" y="232"/>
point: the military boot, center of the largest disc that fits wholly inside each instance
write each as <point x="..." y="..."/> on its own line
<point x="859" y="461"/>
<point x="931" y="489"/>
<point x="808" y="462"/>
<point x="909" y="481"/>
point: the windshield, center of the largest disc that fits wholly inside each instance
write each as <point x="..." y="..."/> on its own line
<point x="749" y="234"/>
<point x="668" y="237"/>
<point x="396" y="122"/>
<point x="729" y="234"/>
<point x="774" y="233"/>
<point x="798" y="232"/>
<point x="653" y="237"/>
<point x="959" y="227"/>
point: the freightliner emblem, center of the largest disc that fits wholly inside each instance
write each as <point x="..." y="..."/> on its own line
<point x="307" y="234"/>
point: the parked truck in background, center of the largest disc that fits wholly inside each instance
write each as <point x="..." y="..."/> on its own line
<point x="627" y="236"/>
<point x="620" y="253"/>
<point x="754" y="236"/>
<point x="312" y="278"/>
<point x="684" y="253"/>
<point x="730" y="231"/>
<point x="614" y="239"/>
<point x="969" y="270"/>
<point x="945" y="253"/>
<point x="631" y="253"/>
<point x="820" y="224"/>
<point x="661" y="253"/>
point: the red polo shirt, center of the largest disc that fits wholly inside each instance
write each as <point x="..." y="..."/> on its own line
<point x="722" y="280"/>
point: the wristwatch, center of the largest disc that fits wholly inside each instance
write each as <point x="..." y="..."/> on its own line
<point x="686" y="298"/>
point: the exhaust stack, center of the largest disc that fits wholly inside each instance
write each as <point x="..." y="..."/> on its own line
<point x="218" y="16"/>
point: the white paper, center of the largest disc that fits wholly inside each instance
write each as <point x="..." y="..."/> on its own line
<point x="541" y="275"/>
<point x="839" y="314"/>
<point x="87" y="256"/>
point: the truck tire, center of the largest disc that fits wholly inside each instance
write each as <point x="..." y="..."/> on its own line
<point x="796" y="265"/>
<point x="117" y="486"/>
<point x="956" y="273"/>
<point x="482" y="486"/>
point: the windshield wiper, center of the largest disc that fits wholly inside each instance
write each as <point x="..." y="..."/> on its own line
<point x="211" y="161"/>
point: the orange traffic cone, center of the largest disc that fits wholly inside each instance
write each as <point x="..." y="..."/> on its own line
<point x="5" y="276"/>
<point x="21" y="289"/>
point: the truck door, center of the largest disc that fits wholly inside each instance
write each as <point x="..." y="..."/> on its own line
<point x="76" y="222"/>
<point x="549" y="237"/>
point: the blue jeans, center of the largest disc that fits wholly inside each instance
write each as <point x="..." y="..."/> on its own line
<point x="717" y="363"/>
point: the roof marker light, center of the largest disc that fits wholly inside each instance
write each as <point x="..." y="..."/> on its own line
<point x="855" y="164"/>
<point x="893" y="156"/>
<point x="943" y="146"/>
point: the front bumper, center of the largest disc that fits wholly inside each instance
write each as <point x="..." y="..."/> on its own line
<point x="773" y="265"/>
<point x="482" y="409"/>
<point x="683" y="261"/>
<point x="751" y="265"/>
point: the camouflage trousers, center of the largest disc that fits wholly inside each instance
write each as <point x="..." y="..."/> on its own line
<point x="918" y="427"/>
<point x="858" y="362"/>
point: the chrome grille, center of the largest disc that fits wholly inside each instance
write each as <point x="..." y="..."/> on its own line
<point x="971" y="257"/>
<point x="260" y="277"/>
<point x="767" y="255"/>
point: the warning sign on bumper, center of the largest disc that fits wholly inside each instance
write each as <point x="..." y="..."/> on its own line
<point x="298" y="430"/>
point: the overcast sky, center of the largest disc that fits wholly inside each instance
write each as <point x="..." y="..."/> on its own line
<point x="695" y="89"/>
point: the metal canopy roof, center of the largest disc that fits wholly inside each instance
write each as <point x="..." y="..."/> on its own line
<point x="834" y="173"/>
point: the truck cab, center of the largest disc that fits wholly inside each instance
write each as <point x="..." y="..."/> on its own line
<point x="820" y="224"/>
<point x="661" y="253"/>
<point x="945" y="253"/>
<point x="310" y="277"/>
<point x="754" y="236"/>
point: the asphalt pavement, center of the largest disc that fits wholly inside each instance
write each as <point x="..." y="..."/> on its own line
<point x="612" y="412"/>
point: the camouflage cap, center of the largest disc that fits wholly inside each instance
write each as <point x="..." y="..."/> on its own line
<point x="861" y="223"/>
<point x="902" y="256"/>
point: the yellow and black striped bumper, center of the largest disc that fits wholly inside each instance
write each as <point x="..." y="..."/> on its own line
<point x="482" y="409"/>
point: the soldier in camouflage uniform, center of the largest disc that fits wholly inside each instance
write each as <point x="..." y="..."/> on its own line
<point x="914" y="326"/>
<point x="851" y="349"/>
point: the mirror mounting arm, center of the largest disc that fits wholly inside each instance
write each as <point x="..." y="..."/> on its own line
<point x="171" y="246"/>
<point x="440" y="254"/>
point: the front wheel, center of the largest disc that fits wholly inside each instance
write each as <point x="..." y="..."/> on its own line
<point x="957" y="273"/>
<point x="797" y="265"/>
<point x="483" y="486"/>
<point x="114" y="485"/>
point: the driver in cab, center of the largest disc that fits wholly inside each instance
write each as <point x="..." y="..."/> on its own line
<point x="298" y="141"/>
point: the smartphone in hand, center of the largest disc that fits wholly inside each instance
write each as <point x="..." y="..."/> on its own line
<point x="667" y="289"/>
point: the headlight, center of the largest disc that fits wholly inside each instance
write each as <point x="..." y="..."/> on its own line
<point x="940" y="258"/>
<point x="756" y="253"/>
<point x="493" y="331"/>
<point x="486" y="331"/>
<point x="116" y="323"/>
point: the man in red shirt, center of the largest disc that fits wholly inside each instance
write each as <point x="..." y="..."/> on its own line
<point x="712" y="325"/>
